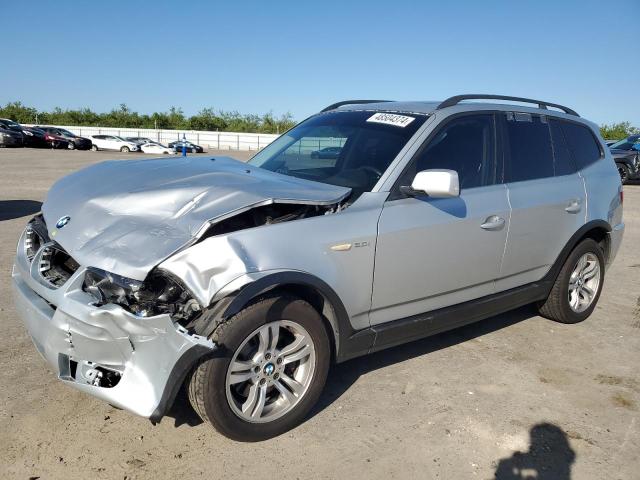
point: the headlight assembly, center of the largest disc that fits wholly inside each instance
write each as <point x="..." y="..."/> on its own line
<point x="158" y="294"/>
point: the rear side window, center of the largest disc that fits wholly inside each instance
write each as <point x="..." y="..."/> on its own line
<point x="581" y="143"/>
<point x="530" y="150"/>
<point x="563" y="164"/>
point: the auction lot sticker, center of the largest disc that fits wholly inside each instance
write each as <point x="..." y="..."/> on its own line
<point x="391" y="119"/>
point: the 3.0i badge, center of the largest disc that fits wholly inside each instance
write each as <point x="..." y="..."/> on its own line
<point x="63" y="221"/>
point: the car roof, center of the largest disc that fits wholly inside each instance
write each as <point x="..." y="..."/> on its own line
<point x="430" y="107"/>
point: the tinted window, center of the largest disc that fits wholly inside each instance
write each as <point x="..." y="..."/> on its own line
<point x="529" y="140"/>
<point x="582" y="144"/>
<point x="563" y="164"/>
<point x="466" y="145"/>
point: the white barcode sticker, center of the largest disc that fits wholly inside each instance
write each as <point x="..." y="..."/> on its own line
<point x="391" y="119"/>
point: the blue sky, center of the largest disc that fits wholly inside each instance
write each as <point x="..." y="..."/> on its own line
<point x="300" y="56"/>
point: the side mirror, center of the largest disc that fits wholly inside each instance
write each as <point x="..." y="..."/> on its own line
<point x="434" y="183"/>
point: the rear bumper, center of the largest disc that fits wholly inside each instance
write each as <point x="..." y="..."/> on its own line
<point x="149" y="357"/>
<point x="615" y="239"/>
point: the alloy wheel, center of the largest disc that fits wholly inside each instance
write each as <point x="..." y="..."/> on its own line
<point x="270" y="372"/>
<point x="584" y="282"/>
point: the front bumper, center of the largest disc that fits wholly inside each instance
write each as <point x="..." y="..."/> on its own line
<point x="10" y="141"/>
<point x="149" y="357"/>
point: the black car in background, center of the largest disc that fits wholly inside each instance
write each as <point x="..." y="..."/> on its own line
<point x="11" y="134"/>
<point x="34" y="137"/>
<point x="191" y="147"/>
<point x="10" y="138"/>
<point x="73" y="140"/>
<point x="626" y="154"/>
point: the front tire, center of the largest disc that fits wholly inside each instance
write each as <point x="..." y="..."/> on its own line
<point x="94" y="148"/>
<point x="576" y="291"/>
<point x="269" y="370"/>
<point x="71" y="146"/>
<point x="125" y="150"/>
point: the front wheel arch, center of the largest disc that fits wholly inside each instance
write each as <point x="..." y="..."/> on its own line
<point x="304" y="285"/>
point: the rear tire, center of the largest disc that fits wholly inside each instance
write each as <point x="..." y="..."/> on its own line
<point x="94" y="148"/>
<point x="72" y="146"/>
<point x="193" y="150"/>
<point x="623" y="170"/>
<point x="569" y="300"/>
<point x="125" y="150"/>
<point x="221" y="401"/>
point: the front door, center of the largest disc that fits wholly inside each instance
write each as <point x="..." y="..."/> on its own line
<point x="432" y="253"/>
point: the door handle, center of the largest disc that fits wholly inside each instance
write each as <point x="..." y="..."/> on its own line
<point x="574" y="206"/>
<point x="494" y="222"/>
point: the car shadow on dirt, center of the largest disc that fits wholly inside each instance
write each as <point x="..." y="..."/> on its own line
<point x="10" y="209"/>
<point x="344" y="375"/>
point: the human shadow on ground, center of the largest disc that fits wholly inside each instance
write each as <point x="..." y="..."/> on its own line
<point x="10" y="209"/>
<point x="549" y="457"/>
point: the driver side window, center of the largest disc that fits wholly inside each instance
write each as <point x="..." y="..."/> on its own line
<point x="465" y="144"/>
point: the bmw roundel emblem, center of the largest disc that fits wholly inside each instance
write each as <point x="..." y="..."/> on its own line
<point x="63" y="221"/>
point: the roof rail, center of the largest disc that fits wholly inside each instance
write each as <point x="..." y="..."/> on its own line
<point x="350" y="102"/>
<point x="449" y="102"/>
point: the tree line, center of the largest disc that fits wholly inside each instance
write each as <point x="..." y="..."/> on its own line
<point x="206" y="119"/>
<point x="175" y="119"/>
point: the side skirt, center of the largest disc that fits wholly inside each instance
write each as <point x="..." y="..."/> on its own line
<point x="431" y="323"/>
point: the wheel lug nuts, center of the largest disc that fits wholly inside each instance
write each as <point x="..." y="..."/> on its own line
<point x="279" y="360"/>
<point x="267" y="356"/>
<point x="256" y="369"/>
<point x="276" y="376"/>
<point x="262" y="381"/>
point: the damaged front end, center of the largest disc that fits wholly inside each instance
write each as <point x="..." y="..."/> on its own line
<point x="118" y="339"/>
<point x="92" y="290"/>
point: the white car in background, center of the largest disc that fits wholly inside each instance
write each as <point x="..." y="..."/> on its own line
<point x="155" y="147"/>
<point x="112" y="142"/>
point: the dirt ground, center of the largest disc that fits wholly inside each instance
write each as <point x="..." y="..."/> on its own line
<point x="514" y="397"/>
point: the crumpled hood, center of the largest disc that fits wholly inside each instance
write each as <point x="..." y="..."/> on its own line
<point x="128" y="216"/>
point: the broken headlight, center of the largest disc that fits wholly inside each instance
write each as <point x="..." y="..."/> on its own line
<point x="158" y="294"/>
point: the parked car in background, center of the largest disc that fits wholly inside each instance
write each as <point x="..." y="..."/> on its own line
<point x="155" y="147"/>
<point x="327" y="152"/>
<point x="34" y="137"/>
<point x="10" y="137"/>
<point x="141" y="140"/>
<point x="112" y="142"/>
<point x="15" y="137"/>
<point x="56" y="141"/>
<point x="74" y="141"/>
<point x="191" y="147"/>
<point x="626" y="154"/>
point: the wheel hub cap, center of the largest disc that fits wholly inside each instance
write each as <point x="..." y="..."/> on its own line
<point x="270" y="372"/>
<point x="584" y="282"/>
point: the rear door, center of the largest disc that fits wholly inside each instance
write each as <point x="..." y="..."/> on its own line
<point x="546" y="194"/>
<point x="436" y="252"/>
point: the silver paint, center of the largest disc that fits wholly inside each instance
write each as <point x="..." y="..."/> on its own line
<point x="132" y="216"/>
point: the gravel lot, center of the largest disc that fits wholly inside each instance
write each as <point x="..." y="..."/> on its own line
<point x="514" y="391"/>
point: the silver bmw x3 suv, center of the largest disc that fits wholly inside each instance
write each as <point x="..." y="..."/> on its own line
<point x="245" y="281"/>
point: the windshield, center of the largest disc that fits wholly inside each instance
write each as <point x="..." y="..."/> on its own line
<point x="66" y="132"/>
<point x="627" y="143"/>
<point x="11" y="124"/>
<point x="349" y="149"/>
